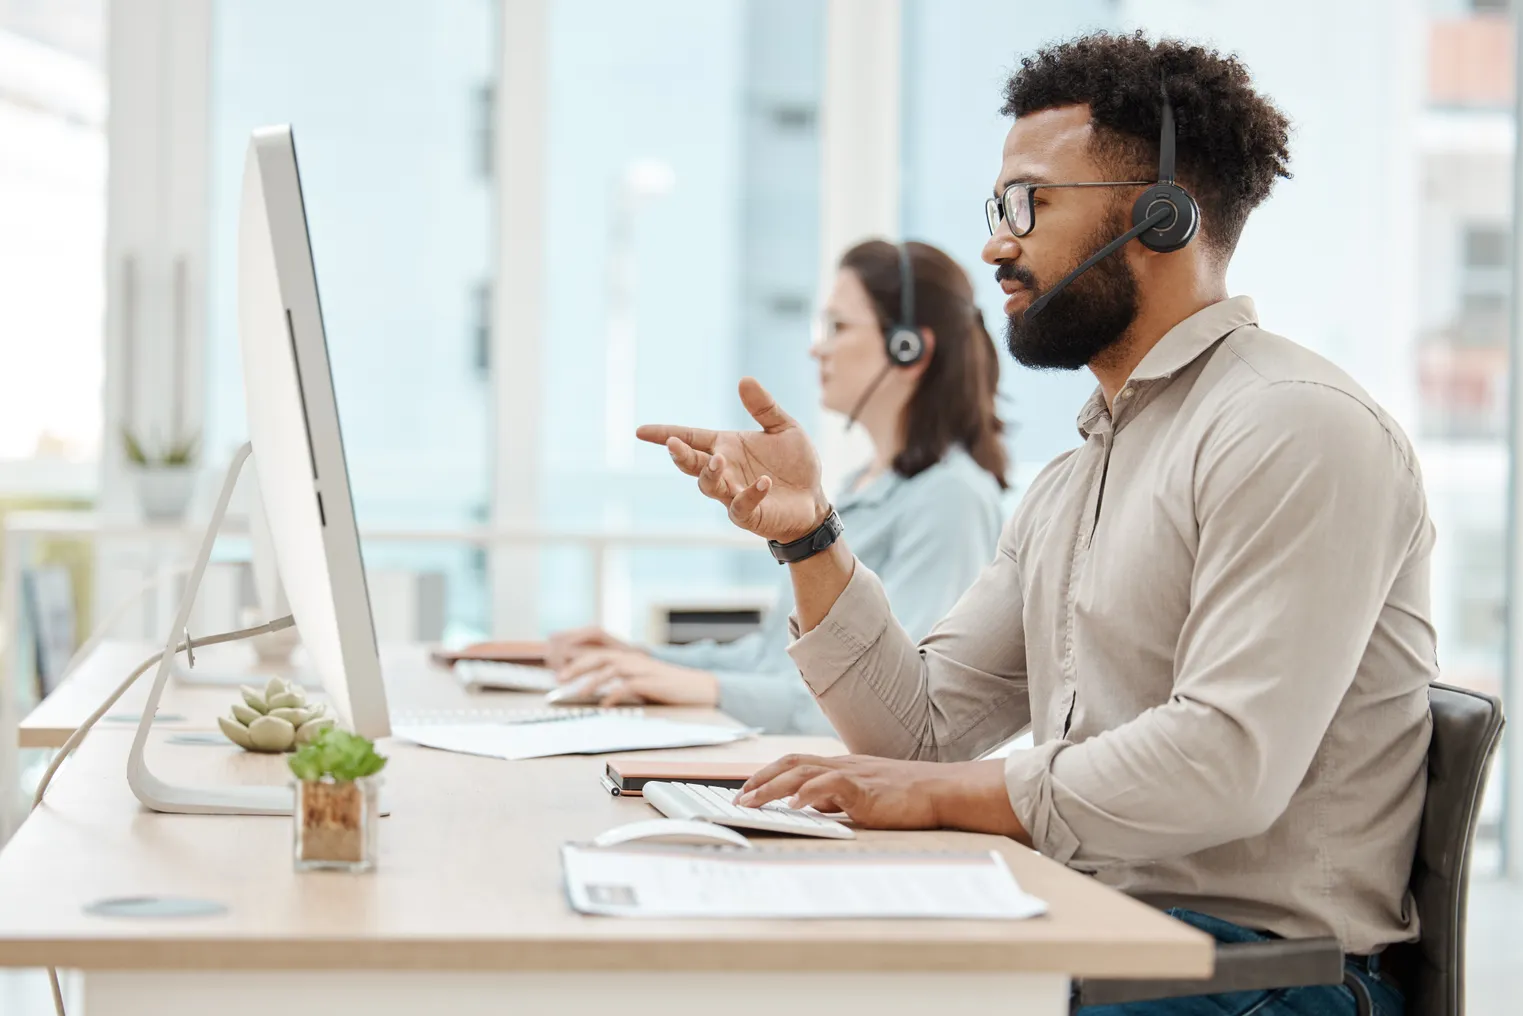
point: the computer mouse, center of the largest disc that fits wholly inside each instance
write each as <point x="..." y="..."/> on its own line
<point x="581" y="692"/>
<point x="674" y="831"/>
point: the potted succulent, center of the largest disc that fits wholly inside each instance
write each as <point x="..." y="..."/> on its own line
<point x="337" y="802"/>
<point x="165" y="475"/>
<point x="274" y="720"/>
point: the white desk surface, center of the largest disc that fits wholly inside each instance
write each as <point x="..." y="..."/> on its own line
<point x="469" y="879"/>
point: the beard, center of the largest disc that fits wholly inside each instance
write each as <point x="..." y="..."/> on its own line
<point x="1085" y="319"/>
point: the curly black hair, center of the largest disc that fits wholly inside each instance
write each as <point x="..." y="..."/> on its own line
<point x="1231" y="141"/>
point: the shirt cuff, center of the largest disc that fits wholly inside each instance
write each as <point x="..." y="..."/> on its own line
<point x="1028" y="781"/>
<point x="757" y="700"/>
<point x="855" y="622"/>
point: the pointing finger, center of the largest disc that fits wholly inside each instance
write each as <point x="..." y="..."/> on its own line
<point x="693" y="437"/>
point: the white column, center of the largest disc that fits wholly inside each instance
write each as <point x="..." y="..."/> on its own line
<point x="859" y="172"/>
<point x="156" y="246"/>
<point x="1512" y="681"/>
<point x="518" y="306"/>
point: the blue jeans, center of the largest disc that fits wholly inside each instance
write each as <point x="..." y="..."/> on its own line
<point x="1326" y="1000"/>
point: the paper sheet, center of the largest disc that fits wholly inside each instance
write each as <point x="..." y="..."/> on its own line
<point x="725" y="883"/>
<point x="588" y="735"/>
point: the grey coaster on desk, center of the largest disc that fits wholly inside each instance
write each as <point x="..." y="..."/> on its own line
<point x="154" y="906"/>
<point x="135" y="717"/>
<point x="207" y="739"/>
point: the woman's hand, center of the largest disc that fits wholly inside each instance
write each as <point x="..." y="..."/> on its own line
<point x="564" y="647"/>
<point x="622" y="677"/>
<point x="768" y="479"/>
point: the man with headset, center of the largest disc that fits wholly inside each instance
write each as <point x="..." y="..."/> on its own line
<point x="1213" y="613"/>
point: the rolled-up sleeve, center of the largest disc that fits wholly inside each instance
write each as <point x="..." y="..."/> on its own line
<point x="958" y="692"/>
<point x="1299" y="542"/>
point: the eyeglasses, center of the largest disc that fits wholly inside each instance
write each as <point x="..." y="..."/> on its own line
<point x="1017" y="207"/>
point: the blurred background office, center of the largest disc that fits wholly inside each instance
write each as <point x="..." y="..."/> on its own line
<point x="539" y="222"/>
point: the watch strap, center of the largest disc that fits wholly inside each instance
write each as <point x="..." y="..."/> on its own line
<point x="806" y="547"/>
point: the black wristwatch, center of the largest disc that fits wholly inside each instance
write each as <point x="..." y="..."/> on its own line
<point x="808" y="546"/>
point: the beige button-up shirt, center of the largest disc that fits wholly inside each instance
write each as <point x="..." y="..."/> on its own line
<point x="1214" y="615"/>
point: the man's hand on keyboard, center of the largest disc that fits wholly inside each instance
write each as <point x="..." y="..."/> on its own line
<point x="881" y="793"/>
<point x="622" y="677"/>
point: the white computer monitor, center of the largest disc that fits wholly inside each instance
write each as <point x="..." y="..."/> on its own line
<point x="303" y="476"/>
<point x="298" y="444"/>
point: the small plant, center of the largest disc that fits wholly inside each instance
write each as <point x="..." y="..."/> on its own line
<point x="337" y="755"/>
<point x="336" y="804"/>
<point x="176" y="454"/>
<point x="274" y="720"/>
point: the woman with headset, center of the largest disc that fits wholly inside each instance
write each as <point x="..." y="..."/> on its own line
<point x="903" y="352"/>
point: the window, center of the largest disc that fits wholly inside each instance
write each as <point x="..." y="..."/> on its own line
<point x="388" y="128"/>
<point x="681" y="253"/>
<point x="52" y="238"/>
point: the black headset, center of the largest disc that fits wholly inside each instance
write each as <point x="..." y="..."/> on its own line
<point x="902" y="339"/>
<point x="1183" y="219"/>
<point x="1165" y="217"/>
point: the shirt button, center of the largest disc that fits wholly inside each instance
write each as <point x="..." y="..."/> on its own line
<point x="1126" y="393"/>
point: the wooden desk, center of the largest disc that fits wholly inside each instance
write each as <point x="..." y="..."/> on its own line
<point x="466" y="909"/>
<point x="466" y="913"/>
<point x="413" y="684"/>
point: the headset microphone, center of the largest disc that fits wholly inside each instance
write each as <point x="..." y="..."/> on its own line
<point x="1164" y="217"/>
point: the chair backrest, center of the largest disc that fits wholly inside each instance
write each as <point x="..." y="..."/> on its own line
<point x="1466" y="729"/>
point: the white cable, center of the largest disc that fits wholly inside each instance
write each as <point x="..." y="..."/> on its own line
<point x="84" y="728"/>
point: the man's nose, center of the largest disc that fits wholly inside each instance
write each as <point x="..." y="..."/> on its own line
<point x="1002" y="246"/>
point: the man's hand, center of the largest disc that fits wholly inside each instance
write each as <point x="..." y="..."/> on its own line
<point x="565" y="646"/>
<point x="623" y="677"/>
<point x="768" y="479"/>
<point x="881" y="793"/>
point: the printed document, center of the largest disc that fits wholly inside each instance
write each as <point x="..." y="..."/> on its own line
<point x="672" y="881"/>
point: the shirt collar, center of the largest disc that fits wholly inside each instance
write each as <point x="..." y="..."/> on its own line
<point x="1184" y="342"/>
<point x="1179" y="347"/>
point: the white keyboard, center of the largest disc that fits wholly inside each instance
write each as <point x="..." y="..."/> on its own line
<point x="492" y="676"/>
<point x="699" y="803"/>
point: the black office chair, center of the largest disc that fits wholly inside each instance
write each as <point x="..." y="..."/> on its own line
<point x="1466" y="729"/>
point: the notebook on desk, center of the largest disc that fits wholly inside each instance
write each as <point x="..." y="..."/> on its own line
<point x="626" y="777"/>
<point x="526" y="651"/>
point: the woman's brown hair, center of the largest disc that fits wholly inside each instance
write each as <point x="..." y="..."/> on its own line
<point x="954" y="401"/>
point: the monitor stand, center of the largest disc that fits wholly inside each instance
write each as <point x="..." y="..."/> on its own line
<point x="154" y="792"/>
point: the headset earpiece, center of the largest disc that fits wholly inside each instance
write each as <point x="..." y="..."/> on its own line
<point x="1174" y="232"/>
<point x="905" y="346"/>
<point x="1179" y="229"/>
<point x="902" y="340"/>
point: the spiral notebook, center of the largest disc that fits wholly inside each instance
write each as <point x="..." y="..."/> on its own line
<point x="722" y="882"/>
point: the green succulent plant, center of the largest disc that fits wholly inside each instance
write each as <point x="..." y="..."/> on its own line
<point x="274" y="720"/>
<point x="337" y="755"/>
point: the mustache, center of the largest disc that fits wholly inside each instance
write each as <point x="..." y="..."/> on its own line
<point x="1016" y="273"/>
